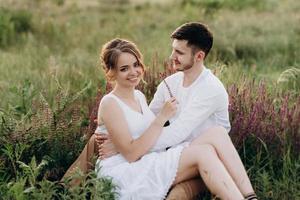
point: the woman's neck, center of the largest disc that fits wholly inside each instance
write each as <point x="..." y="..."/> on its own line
<point x="124" y="93"/>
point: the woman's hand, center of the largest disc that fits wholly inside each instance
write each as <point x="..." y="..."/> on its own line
<point x="168" y="110"/>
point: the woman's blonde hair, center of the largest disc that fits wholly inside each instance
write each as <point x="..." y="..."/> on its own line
<point x="112" y="50"/>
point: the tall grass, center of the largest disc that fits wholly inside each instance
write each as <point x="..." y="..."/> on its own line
<point x="40" y="137"/>
<point x="51" y="84"/>
<point x="265" y="130"/>
<point x="12" y="26"/>
<point x="70" y="36"/>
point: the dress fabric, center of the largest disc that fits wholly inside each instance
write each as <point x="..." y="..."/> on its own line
<point x="150" y="177"/>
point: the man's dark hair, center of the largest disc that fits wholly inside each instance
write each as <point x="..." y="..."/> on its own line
<point x="197" y="35"/>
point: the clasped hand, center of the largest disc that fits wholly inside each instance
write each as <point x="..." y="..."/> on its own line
<point x="106" y="148"/>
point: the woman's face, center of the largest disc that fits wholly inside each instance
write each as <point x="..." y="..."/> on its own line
<point x="129" y="71"/>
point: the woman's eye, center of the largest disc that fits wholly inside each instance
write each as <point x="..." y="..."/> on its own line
<point x="136" y="64"/>
<point x="123" y="69"/>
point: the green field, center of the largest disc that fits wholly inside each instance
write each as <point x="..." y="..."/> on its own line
<point x="50" y="76"/>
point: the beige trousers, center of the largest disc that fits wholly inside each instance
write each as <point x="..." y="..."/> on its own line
<point x="84" y="162"/>
<point x="186" y="190"/>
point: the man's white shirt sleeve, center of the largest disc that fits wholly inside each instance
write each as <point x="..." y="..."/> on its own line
<point x="195" y="113"/>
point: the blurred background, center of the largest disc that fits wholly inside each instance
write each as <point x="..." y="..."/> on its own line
<point x="39" y="38"/>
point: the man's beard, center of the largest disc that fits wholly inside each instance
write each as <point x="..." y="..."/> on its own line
<point x="185" y="67"/>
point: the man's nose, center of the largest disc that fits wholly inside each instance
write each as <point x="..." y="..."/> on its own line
<point x="172" y="57"/>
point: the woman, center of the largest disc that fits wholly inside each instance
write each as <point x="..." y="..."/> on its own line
<point x="134" y="129"/>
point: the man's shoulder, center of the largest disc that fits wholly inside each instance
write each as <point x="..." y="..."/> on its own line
<point x="174" y="77"/>
<point x="212" y="82"/>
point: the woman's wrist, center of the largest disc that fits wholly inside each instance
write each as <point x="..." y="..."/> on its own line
<point x="161" y="120"/>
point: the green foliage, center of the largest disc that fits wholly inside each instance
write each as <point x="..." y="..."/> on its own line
<point x="13" y="24"/>
<point x="60" y="37"/>
<point x="48" y="78"/>
<point x="32" y="170"/>
<point x="6" y="29"/>
<point x="52" y="34"/>
<point x="40" y="137"/>
<point x="22" y="21"/>
<point x="28" y="186"/>
<point x="36" y="128"/>
<point x="276" y="177"/>
<point x="14" y="153"/>
<point x="290" y="80"/>
<point x="213" y="5"/>
<point x="59" y="2"/>
<point x="23" y="99"/>
<point x="90" y="187"/>
<point x="16" y="190"/>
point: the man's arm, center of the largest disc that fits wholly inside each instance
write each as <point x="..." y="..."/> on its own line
<point x="194" y="114"/>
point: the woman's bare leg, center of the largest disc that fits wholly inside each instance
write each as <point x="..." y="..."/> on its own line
<point x="220" y="140"/>
<point x="204" y="160"/>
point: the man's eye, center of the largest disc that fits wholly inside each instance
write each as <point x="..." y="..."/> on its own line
<point x="179" y="52"/>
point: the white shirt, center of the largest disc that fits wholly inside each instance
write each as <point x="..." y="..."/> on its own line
<point x="202" y="105"/>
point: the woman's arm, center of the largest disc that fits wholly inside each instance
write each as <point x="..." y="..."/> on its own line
<point x="115" y="122"/>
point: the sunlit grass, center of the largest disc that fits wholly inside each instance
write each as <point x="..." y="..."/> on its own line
<point x="255" y="42"/>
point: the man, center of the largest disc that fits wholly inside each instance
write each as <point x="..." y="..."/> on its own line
<point x="203" y="100"/>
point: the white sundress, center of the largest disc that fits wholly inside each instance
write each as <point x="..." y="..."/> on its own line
<point x="150" y="177"/>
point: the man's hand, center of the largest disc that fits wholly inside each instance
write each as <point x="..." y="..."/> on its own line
<point x="106" y="148"/>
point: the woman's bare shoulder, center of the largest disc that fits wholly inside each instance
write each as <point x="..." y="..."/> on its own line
<point x="108" y="103"/>
<point x="107" y="106"/>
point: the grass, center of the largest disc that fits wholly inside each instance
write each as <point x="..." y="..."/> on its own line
<point x="50" y="76"/>
<point x="61" y="34"/>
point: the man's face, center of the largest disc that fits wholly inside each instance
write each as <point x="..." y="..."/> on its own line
<point x="182" y="56"/>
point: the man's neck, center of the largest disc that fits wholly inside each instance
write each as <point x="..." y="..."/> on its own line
<point x="192" y="74"/>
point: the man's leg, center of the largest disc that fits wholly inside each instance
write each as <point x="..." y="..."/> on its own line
<point x="85" y="160"/>
<point x="187" y="190"/>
